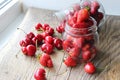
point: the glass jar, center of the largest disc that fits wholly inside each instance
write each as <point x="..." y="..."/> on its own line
<point x="81" y="43"/>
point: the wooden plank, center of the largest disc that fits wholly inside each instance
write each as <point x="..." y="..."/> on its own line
<point x="15" y="66"/>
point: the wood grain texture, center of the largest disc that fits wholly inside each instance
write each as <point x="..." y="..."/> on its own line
<point x="15" y="66"/>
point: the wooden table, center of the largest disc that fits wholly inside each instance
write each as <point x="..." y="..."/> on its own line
<point x="16" y="66"/>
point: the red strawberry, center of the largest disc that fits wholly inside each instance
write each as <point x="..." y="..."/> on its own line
<point x="70" y="62"/>
<point x="45" y="60"/>
<point x="83" y="15"/>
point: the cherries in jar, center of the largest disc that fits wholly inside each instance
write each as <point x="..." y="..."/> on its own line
<point x="80" y="36"/>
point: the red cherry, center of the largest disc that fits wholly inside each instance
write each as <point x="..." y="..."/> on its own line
<point x="95" y="5"/>
<point x="44" y="34"/>
<point x="49" y="63"/>
<point x="100" y="15"/>
<point x="60" y="29"/>
<point x="47" y="48"/>
<point x="50" y="31"/>
<point x="70" y="62"/>
<point x="72" y="21"/>
<point x="89" y="68"/>
<point x="49" y="39"/>
<point x="30" y="35"/>
<point x="39" y="38"/>
<point x="45" y="60"/>
<point x="38" y="26"/>
<point x="24" y="50"/>
<point x="86" y="55"/>
<point x="79" y="42"/>
<point x="28" y="41"/>
<point x="31" y="49"/>
<point x="58" y="43"/>
<point x="86" y="47"/>
<point x="40" y="74"/>
<point x="67" y="45"/>
<point x="76" y="7"/>
<point x="45" y="26"/>
<point x="23" y="43"/>
<point x="34" y="39"/>
<point x="74" y="52"/>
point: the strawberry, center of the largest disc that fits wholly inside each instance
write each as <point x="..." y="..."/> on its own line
<point x="83" y="15"/>
<point x="45" y="60"/>
<point x="70" y="62"/>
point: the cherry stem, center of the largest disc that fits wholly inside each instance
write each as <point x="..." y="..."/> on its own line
<point x="21" y="30"/>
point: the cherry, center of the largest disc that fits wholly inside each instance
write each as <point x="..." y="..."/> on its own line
<point x="74" y="52"/>
<point x="58" y="43"/>
<point x="86" y="55"/>
<point x="40" y="74"/>
<point x="67" y="45"/>
<point x="31" y="49"/>
<point x="44" y="34"/>
<point x="72" y="21"/>
<point x="86" y="47"/>
<point x="45" y="60"/>
<point x="47" y="48"/>
<point x="49" y="39"/>
<point x="38" y="26"/>
<point x="45" y="26"/>
<point x="60" y="29"/>
<point x="30" y="35"/>
<point x="76" y="7"/>
<point x="70" y="62"/>
<point x="24" y="50"/>
<point x="23" y="43"/>
<point x="95" y="5"/>
<point x="50" y="31"/>
<point x="34" y="39"/>
<point x="89" y="68"/>
<point x="39" y="37"/>
<point x="79" y="42"/>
